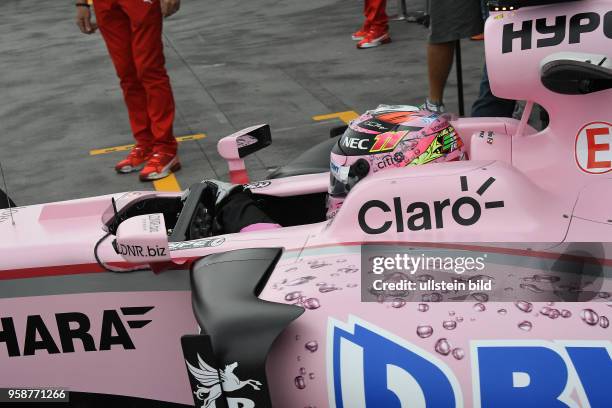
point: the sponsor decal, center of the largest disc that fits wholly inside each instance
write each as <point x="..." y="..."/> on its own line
<point x="257" y="184"/>
<point x="356" y="143"/>
<point x="374" y="125"/>
<point x="213" y="382"/>
<point x="594" y="148"/>
<point x="523" y="373"/>
<point x="196" y="243"/>
<point x="339" y="172"/>
<point x="552" y="33"/>
<point x="387" y="141"/>
<point x="5" y="214"/>
<point x="390" y="160"/>
<point x="370" y="367"/>
<point x="152" y="223"/>
<point x="72" y="326"/>
<point x="490" y="136"/>
<point x="139" y="250"/>
<point x="424" y="216"/>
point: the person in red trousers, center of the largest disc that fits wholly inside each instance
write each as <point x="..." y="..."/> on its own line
<point x="132" y="30"/>
<point x="375" y="28"/>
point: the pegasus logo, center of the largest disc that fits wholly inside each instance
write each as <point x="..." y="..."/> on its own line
<point x="213" y="381"/>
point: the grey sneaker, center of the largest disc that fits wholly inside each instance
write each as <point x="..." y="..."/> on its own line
<point x="433" y="106"/>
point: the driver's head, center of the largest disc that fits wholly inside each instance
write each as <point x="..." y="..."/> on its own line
<point x="386" y="138"/>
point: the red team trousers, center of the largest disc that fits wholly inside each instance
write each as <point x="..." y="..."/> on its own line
<point x="132" y="30"/>
<point x="376" y="14"/>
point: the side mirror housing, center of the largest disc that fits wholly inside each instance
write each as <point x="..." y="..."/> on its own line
<point x="143" y="239"/>
<point x="235" y="147"/>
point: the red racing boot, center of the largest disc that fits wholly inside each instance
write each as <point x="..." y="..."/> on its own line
<point x="361" y="33"/>
<point x="135" y="160"/>
<point x="160" y="165"/>
<point x="374" y="38"/>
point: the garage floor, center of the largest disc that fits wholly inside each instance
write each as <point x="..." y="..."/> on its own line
<point x="232" y="64"/>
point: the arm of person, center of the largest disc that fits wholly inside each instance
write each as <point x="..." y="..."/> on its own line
<point x="169" y="7"/>
<point x="83" y="18"/>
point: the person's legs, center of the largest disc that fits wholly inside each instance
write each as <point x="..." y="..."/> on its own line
<point x="367" y="14"/>
<point x="439" y="64"/>
<point x="484" y="10"/>
<point x="115" y="28"/>
<point x="489" y="105"/>
<point x="365" y="27"/>
<point x="378" y="15"/>
<point x="378" y="23"/>
<point x="147" y="50"/>
<point x="450" y="21"/>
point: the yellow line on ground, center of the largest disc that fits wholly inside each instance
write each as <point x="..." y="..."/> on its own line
<point x="169" y="183"/>
<point x="96" y="152"/>
<point x="345" y="116"/>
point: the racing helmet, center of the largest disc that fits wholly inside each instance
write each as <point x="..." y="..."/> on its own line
<point x="385" y="138"/>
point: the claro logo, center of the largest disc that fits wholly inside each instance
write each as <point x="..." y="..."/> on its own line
<point x="555" y="33"/>
<point x="465" y="211"/>
<point x="70" y="327"/>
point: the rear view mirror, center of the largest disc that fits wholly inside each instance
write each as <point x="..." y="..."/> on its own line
<point x="244" y="142"/>
<point x="573" y="73"/>
<point x="143" y="239"/>
<point x="235" y="147"/>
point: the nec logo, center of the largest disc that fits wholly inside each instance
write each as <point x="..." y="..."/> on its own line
<point x="72" y="326"/>
<point x="555" y="33"/>
<point x="354" y="143"/>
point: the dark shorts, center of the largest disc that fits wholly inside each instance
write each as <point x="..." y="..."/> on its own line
<point x="453" y="20"/>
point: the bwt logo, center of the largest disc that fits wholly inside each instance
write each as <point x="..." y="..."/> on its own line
<point x="72" y="326"/>
<point x="369" y="367"/>
<point x="423" y="216"/>
<point x="556" y="33"/>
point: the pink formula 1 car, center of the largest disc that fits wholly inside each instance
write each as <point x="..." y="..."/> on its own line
<point x="328" y="313"/>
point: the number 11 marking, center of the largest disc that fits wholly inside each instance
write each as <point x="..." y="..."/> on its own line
<point x="387" y="141"/>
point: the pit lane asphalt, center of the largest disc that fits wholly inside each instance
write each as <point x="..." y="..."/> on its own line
<point x="232" y="64"/>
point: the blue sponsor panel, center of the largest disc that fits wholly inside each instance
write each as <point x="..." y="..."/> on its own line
<point x="521" y="377"/>
<point x="594" y="369"/>
<point x="369" y="367"/>
<point x="543" y="374"/>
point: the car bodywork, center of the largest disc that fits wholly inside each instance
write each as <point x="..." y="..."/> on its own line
<point x="280" y="313"/>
